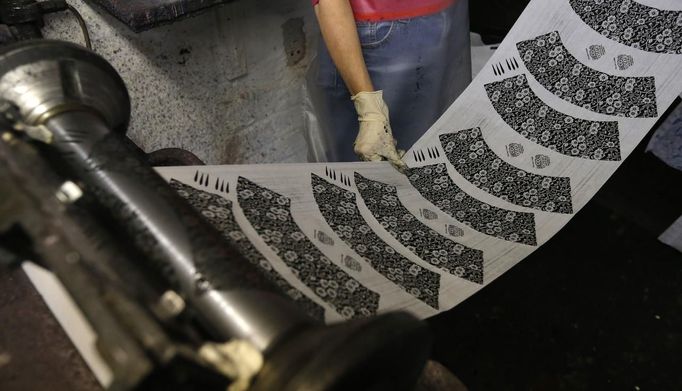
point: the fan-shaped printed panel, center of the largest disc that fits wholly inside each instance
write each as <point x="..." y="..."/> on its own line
<point x="339" y="208"/>
<point x="475" y="161"/>
<point x="435" y="185"/>
<point x="270" y="215"/>
<point x="455" y="258"/>
<point x="558" y="71"/>
<point x="633" y="24"/>
<point x="523" y="111"/>
<point x="218" y="211"/>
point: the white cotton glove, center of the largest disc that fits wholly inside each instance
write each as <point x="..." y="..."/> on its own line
<point x="375" y="140"/>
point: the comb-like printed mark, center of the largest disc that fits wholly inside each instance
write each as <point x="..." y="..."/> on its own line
<point x="512" y="64"/>
<point x="454" y="258"/>
<point x="559" y="72"/>
<point x="421" y="156"/>
<point x="517" y="104"/>
<point x="331" y="174"/>
<point x="633" y="24"/>
<point x="434" y="184"/>
<point x="270" y="215"/>
<point x="218" y="211"/>
<point x="477" y="163"/>
<point x="339" y="208"/>
<point x="498" y="69"/>
<point x="219" y="184"/>
<point x="201" y="178"/>
<point x="345" y="179"/>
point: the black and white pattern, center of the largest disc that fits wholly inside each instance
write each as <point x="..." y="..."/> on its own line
<point x="624" y="61"/>
<point x="514" y="149"/>
<point x="351" y="263"/>
<point x="633" y="24"/>
<point x="498" y="69"/>
<point x="558" y="71"/>
<point x="475" y="161"/>
<point x="270" y="215"/>
<point x="339" y="208"/>
<point x="324" y="238"/>
<point x="595" y="52"/>
<point x="523" y="111"/>
<point x="434" y="184"/>
<point x="454" y="230"/>
<point x="541" y="161"/>
<point x="218" y="211"/>
<point x="420" y="155"/>
<point x="382" y="200"/>
<point x="428" y="214"/>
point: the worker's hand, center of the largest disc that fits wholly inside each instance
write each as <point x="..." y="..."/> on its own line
<point x="375" y="140"/>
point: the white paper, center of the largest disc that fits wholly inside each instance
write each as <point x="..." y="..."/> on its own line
<point x="598" y="54"/>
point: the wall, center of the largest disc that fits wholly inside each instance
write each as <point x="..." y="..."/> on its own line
<point x="225" y="84"/>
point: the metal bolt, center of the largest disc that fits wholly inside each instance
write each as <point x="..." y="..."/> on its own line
<point x="7" y="137"/>
<point x="172" y="303"/>
<point x="69" y="193"/>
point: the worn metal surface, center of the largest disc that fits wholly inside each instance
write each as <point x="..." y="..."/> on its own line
<point x="146" y="14"/>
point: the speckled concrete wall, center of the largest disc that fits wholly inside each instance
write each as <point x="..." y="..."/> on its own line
<point x="225" y="84"/>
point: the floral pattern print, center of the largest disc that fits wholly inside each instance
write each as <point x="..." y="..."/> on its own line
<point x="270" y="215"/>
<point x="218" y="211"/>
<point x="558" y="71"/>
<point x="527" y="114"/>
<point x="475" y="161"/>
<point x="633" y="24"/>
<point x="434" y="184"/>
<point x="339" y="208"/>
<point x="454" y="258"/>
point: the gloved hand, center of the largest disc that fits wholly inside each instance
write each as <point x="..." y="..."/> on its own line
<point x="375" y="140"/>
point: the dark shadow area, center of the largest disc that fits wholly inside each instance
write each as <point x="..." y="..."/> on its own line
<point x="494" y="18"/>
<point x="35" y="353"/>
<point x="599" y="307"/>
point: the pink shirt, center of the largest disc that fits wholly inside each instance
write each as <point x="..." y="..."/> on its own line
<point x="376" y="10"/>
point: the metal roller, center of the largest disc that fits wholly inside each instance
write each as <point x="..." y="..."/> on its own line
<point x="76" y="104"/>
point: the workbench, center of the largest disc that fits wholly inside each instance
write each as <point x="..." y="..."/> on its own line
<point x="142" y="15"/>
